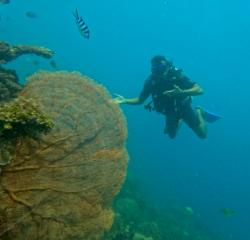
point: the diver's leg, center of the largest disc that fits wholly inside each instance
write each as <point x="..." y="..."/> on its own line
<point x="201" y="129"/>
<point x="172" y="125"/>
<point x="195" y="121"/>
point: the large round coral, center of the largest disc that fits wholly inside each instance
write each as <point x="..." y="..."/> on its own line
<point x="61" y="186"/>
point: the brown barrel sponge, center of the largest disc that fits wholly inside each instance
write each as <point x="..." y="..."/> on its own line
<point x="61" y="185"/>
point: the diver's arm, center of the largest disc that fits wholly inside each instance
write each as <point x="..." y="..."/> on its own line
<point x="145" y="93"/>
<point x="194" y="91"/>
<point x="132" y="101"/>
<point x="177" y="91"/>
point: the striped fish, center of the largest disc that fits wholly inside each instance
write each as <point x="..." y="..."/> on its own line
<point x="83" y="28"/>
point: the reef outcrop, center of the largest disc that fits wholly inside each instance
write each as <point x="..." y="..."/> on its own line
<point x="9" y="84"/>
<point x="61" y="185"/>
<point x="20" y="118"/>
<point x="10" y="52"/>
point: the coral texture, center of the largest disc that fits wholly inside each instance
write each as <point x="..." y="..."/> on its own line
<point x="9" y="52"/>
<point x="20" y="118"/>
<point x="62" y="185"/>
<point x="22" y="115"/>
<point x="9" y="86"/>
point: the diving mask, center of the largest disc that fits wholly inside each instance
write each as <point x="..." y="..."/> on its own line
<point x="160" y="68"/>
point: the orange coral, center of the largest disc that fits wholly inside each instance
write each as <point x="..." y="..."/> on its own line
<point x="61" y="186"/>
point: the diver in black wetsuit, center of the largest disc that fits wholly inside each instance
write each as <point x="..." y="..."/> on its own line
<point x="171" y="93"/>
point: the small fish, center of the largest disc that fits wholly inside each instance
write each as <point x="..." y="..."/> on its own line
<point x="53" y="63"/>
<point x="189" y="211"/>
<point x="30" y="14"/>
<point x="4" y="1"/>
<point x="227" y="212"/>
<point x="83" y="28"/>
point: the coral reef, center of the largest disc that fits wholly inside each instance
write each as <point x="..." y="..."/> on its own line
<point x="9" y="52"/>
<point x="61" y="185"/>
<point x="9" y="86"/>
<point x="137" y="219"/>
<point x="20" y="118"/>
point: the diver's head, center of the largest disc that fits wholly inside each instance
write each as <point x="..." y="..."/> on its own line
<point x="160" y="65"/>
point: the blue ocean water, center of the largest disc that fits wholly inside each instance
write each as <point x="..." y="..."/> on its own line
<point x="209" y="40"/>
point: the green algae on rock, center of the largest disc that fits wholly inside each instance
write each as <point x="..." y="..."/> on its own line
<point x="22" y="117"/>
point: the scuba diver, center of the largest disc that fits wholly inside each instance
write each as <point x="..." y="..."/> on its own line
<point x="172" y="93"/>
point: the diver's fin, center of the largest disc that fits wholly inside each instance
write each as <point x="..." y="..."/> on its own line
<point x="210" y="116"/>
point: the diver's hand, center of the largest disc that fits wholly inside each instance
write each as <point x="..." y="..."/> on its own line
<point x="119" y="99"/>
<point x="175" y="92"/>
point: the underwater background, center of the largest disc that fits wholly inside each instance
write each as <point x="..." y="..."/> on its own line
<point x="209" y="40"/>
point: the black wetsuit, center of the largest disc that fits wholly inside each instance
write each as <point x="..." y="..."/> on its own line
<point x="175" y="108"/>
